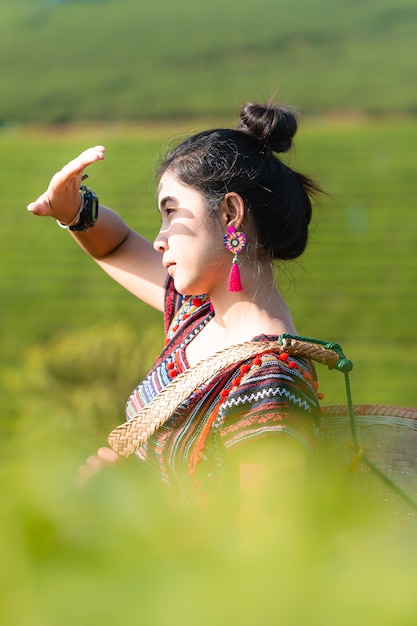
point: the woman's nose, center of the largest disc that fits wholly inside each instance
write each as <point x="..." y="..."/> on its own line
<point x="160" y="243"/>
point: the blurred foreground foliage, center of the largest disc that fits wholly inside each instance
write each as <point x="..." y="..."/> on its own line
<point x="121" y="552"/>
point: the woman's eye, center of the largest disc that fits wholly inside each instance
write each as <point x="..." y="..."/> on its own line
<point x="168" y="211"/>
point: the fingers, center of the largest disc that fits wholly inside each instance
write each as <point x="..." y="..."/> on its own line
<point x="41" y="206"/>
<point x="77" y="165"/>
<point x="61" y="200"/>
<point x="94" y="463"/>
<point x="107" y="455"/>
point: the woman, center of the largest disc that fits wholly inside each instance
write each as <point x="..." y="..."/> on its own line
<point x="229" y="207"/>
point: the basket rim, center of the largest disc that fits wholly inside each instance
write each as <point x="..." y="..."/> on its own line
<point x="371" y="410"/>
<point x="370" y="415"/>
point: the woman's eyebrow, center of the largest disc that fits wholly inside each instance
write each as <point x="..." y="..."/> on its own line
<point x="166" y="200"/>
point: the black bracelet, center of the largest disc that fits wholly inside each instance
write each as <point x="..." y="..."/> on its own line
<point x="88" y="213"/>
<point x="89" y="210"/>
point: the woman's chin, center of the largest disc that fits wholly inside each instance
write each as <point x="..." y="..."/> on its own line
<point x="188" y="289"/>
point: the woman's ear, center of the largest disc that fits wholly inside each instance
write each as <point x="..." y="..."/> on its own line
<point x="232" y="209"/>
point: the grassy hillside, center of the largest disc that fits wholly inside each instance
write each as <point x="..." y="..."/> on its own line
<point x="355" y="285"/>
<point x="119" y="59"/>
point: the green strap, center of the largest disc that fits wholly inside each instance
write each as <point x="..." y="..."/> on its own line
<point x="343" y="364"/>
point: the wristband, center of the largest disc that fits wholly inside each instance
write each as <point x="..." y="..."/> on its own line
<point x="88" y="213"/>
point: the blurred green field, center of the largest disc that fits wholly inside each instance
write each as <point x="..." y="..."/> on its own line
<point x="119" y="554"/>
<point x="117" y="59"/>
<point x="73" y="345"/>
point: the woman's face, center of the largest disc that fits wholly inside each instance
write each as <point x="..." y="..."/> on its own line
<point x="190" y="240"/>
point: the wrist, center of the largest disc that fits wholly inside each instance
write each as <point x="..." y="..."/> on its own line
<point x="76" y="217"/>
<point x="87" y="214"/>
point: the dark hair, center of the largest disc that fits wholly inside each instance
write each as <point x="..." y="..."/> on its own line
<point x="277" y="198"/>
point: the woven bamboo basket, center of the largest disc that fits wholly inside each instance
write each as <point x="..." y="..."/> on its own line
<point x="387" y="438"/>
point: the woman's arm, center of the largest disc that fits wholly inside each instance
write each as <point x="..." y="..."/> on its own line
<point x="126" y="256"/>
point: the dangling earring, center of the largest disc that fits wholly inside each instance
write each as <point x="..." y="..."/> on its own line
<point x="234" y="242"/>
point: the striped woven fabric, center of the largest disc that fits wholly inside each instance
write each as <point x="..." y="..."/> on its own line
<point x="254" y="398"/>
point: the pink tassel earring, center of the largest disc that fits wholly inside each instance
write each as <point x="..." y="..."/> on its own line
<point x="234" y="242"/>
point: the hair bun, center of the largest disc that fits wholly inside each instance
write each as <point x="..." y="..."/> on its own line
<point x="274" y="126"/>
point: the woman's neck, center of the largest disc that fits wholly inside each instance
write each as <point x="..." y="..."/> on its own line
<point x="259" y="290"/>
<point x="258" y="309"/>
<point x="239" y="318"/>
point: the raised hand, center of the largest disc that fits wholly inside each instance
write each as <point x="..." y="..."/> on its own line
<point x="62" y="198"/>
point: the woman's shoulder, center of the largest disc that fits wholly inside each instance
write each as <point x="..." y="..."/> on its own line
<point x="273" y="377"/>
<point x="275" y="366"/>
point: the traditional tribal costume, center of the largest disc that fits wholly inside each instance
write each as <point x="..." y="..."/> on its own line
<point x="260" y="397"/>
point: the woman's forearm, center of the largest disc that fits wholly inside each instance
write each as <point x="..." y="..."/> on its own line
<point x="108" y="234"/>
<point x="126" y="256"/>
